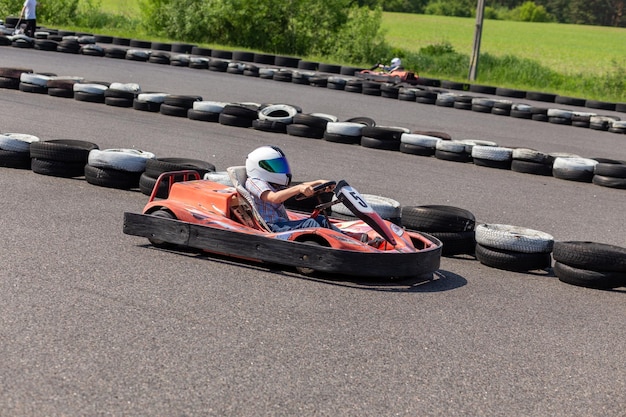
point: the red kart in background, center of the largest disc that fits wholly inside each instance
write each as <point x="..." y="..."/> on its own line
<point x="394" y="77"/>
<point x="222" y="219"/>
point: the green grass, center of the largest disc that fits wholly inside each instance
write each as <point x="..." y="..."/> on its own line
<point x="567" y="49"/>
<point x="124" y="7"/>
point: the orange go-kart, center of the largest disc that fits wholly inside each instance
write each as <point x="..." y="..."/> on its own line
<point x="397" y="76"/>
<point x="222" y="219"/>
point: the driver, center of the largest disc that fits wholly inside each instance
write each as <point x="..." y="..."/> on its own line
<point x="268" y="181"/>
<point x="396" y="64"/>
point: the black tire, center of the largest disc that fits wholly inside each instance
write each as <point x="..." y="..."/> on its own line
<point x="483" y="89"/>
<point x="88" y="97"/>
<point x="588" y="278"/>
<point x="61" y="92"/>
<point x="311" y="121"/>
<point x="383" y="133"/>
<point x="170" y="110"/>
<point x="118" y="102"/>
<point x="243" y="56"/>
<point x="266" y="59"/>
<point x="508" y="92"/>
<point x="490" y="163"/>
<point x="33" y="88"/>
<point x="241" y="111"/>
<point x="18" y="160"/>
<point x="529" y="167"/>
<point x="333" y="69"/>
<point x="572" y="175"/>
<point x="345" y="139"/>
<point x="438" y="218"/>
<point x="416" y="149"/>
<point x="157" y="166"/>
<point x="512" y="261"/>
<point x="185" y="101"/>
<point x="384" y="144"/>
<point x="610" y="182"/>
<point x="269" y="126"/>
<point x="602" y="105"/>
<point x="235" y="121"/>
<point x="520" y="114"/>
<point x="64" y="150"/>
<point x="453" y="156"/>
<point x="590" y="255"/>
<point x="367" y="121"/>
<point x="203" y="116"/>
<point x="538" y="96"/>
<point x="111" y="178"/>
<point x="611" y="169"/>
<point x="164" y="214"/>
<point x="286" y="61"/>
<point x="57" y="168"/>
<point x="221" y="54"/>
<point x="148" y="106"/>
<point x="572" y="101"/>
<point x="305" y="131"/>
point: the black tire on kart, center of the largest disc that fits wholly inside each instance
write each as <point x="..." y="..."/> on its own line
<point x="164" y="214"/>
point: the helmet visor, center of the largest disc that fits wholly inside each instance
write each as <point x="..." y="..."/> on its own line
<point x="277" y="165"/>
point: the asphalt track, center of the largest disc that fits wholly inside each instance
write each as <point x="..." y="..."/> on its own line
<point x="95" y="322"/>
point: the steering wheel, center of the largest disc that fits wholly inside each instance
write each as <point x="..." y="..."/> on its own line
<point x="317" y="190"/>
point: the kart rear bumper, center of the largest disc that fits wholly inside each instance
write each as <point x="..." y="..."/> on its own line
<point x="264" y="249"/>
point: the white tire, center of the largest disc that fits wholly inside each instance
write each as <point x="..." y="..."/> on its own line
<point x="521" y="107"/>
<point x="35" y="79"/>
<point x="90" y="88"/>
<point x="131" y="160"/>
<point x="567" y="114"/>
<point x="574" y="164"/>
<point x="483" y="101"/>
<point x="209" y="106"/>
<point x="128" y="87"/>
<point x="344" y="128"/>
<point x="513" y="238"/>
<point x="470" y="143"/>
<point x="386" y="208"/>
<point x="137" y="53"/>
<point x="532" y="155"/>
<point x="424" y="141"/>
<point x="152" y="97"/>
<point x="450" y="146"/>
<point x="286" y="112"/>
<point x="492" y="153"/>
<point x="17" y="142"/>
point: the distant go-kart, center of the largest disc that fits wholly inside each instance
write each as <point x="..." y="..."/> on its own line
<point x="397" y="76"/>
<point x="222" y="219"/>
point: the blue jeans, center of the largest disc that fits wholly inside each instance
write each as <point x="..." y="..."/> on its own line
<point x="319" y="221"/>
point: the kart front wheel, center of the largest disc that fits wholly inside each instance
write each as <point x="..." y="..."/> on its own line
<point x="165" y="215"/>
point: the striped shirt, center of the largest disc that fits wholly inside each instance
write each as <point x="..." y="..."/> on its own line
<point x="271" y="212"/>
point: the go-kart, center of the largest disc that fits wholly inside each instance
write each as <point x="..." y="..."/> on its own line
<point x="397" y="76"/>
<point x="222" y="219"/>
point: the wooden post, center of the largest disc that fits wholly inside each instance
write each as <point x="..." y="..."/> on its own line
<point x="480" y="9"/>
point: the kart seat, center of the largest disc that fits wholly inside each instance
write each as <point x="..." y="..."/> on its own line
<point x="239" y="176"/>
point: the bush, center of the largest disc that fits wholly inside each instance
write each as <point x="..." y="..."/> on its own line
<point x="530" y="12"/>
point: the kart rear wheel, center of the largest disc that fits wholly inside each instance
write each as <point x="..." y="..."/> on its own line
<point x="165" y="215"/>
<point x="304" y="270"/>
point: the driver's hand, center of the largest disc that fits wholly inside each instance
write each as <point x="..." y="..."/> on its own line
<point x="306" y="190"/>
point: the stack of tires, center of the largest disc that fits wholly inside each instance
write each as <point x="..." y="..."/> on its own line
<point x="590" y="264"/>
<point x="513" y="248"/>
<point x="206" y="111"/>
<point x="611" y="174"/>
<point x="238" y="115"/>
<point x="116" y="168"/>
<point x="15" y="150"/>
<point x="531" y="161"/>
<point x="178" y="105"/>
<point x="60" y="157"/>
<point x="454" y="226"/>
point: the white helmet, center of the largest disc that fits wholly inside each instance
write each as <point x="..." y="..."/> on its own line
<point x="396" y="62"/>
<point x="268" y="163"/>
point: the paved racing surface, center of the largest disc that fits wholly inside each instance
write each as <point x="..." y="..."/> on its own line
<point x="95" y="322"/>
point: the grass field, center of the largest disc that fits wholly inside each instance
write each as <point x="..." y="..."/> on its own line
<point x="568" y="49"/>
